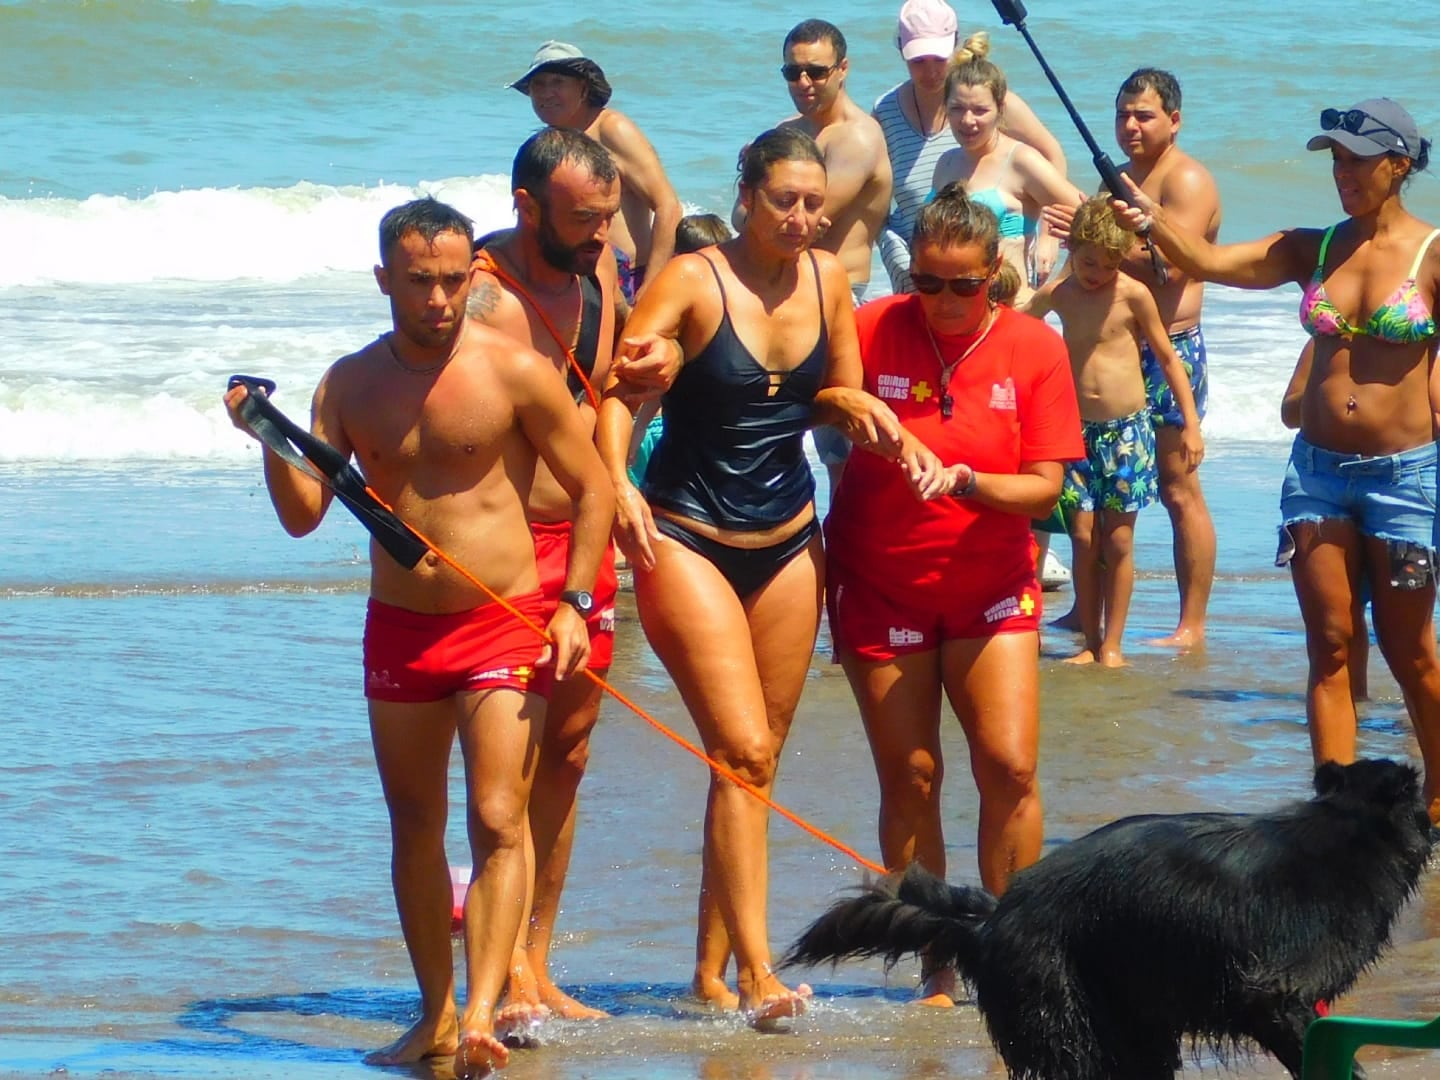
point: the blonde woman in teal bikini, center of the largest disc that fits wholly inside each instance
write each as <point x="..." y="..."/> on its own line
<point x="1012" y="179"/>
<point x="1358" y="502"/>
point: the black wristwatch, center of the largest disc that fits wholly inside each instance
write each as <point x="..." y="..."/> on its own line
<point x="579" y="599"/>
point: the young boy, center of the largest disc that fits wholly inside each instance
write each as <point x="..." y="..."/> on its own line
<point x="1105" y="316"/>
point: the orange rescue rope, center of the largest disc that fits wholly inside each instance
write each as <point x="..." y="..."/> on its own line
<point x="685" y="744"/>
<point x="488" y="263"/>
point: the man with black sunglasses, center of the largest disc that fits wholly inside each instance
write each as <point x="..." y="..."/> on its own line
<point x="857" y="169"/>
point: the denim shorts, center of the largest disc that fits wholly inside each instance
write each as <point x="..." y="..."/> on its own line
<point x="1390" y="497"/>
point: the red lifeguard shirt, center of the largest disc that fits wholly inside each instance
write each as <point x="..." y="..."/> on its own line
<point x="1014" y="401"/>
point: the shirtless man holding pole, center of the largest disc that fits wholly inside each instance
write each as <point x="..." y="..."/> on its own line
<point x="1147" y="125"/>
<point x="468" y="416"/>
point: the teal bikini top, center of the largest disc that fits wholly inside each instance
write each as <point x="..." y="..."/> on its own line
<point x="1012" y="222"/>
<point x="1403" y="319"/>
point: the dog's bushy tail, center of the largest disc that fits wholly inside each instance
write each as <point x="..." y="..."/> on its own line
<point x="918" y="913"/>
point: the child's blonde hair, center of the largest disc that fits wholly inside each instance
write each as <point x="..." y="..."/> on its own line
<point x="1005" y="285"/>
<point x="1095" y="223"/>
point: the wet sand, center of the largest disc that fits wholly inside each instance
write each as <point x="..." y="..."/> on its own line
<point x="202" y="891"/>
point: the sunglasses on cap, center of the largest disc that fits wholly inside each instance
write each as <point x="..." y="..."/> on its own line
<point x="814" y="72"/>
<point x="1355" y="120"/>
<point x="932" y="285"/>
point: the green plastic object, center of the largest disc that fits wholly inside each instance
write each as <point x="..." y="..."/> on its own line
<point x="1331" y="1042"/>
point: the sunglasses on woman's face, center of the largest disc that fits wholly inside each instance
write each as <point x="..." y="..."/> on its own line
<point x="813" y="72"/>
<point x="933" y="285"/>
<point x="1355" y="120"/>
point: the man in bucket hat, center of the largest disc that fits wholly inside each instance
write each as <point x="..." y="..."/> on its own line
<point x="567" y="89"/>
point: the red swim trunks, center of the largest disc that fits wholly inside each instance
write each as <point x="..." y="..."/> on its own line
<point x="552" y="553"/>
<point x="412" y="656"/>
<point x="878" y="624"/>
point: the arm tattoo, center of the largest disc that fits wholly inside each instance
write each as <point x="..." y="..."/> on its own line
<point x="484" y="299"/>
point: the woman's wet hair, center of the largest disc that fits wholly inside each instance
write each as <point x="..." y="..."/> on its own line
<point x="1094" y="223"/>
<point x="968" y="67"/>
<point x="952" y="218"/>
<point x="773" y="146"/>
<point x="427" y="216"/>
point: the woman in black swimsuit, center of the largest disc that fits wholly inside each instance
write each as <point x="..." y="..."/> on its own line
<point x="724" y="541"/>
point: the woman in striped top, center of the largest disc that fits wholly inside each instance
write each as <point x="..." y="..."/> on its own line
<point x="913" y="118"/>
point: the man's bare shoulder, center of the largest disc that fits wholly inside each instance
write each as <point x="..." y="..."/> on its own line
<point x="361" y="363"/>
<point x="481" y="338"/>
<point x="501" y="356"/>
<point x="493" y="304"/>
<point x="1183" y="175"/>
<point x="347" y="389"/>
<point x="862" y="124"/>
<point x="616" y="132"/>
<point x="855" y="130"/>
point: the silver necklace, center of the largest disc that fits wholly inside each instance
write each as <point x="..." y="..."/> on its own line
<point x="429" y="369"/>
<point x="947" y="403"/>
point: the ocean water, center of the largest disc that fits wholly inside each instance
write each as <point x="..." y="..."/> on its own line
<point x="189" y="189"/>
<point x="194" y="880"/>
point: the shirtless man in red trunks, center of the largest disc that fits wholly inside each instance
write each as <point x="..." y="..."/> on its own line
<point x="551" y="283"/>
<point x="468" y="416"/>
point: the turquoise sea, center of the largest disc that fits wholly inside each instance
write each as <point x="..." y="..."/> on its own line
<point x="194" y="876"/>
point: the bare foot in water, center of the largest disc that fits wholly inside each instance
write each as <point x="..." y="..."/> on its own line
<point x="712" y="991"/>
<point x="517" y="1023"/>
<point x="1182" y="638"/>
<point x="426" y="1038"/>
<point x="479" y="1054"/>
<point x="564" y="1006"/>
<point x="1084" y="656"/>
<point x="1111" y="658"/>
<point x="774" y="1002"/>
<point x="938" y="990"/>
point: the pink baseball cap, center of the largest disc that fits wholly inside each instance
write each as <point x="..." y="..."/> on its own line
<point x="927" y="28"/>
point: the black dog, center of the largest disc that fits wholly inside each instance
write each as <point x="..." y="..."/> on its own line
<point x="1226" y="928"/>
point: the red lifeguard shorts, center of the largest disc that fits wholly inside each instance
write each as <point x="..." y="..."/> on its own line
<point x="552" y="554"/>
<point x="412" y="656"/>
<point x="878" y="624"/>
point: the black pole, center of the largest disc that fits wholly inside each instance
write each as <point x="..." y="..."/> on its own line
<point x="1012" y="13"/>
